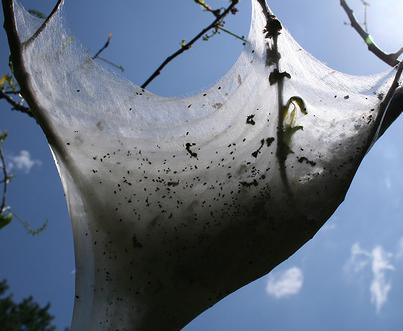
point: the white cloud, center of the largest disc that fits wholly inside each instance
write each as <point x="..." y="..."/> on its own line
<point x="380" y="287"/>
<point x="380" y="262"/>
<point x="285" y="284"/>
<point x="23" y="162"/>
<point x="329" y="227"/>
<point x="358" y="260"/>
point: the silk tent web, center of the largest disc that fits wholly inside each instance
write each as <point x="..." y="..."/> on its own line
<point x="177" y="202"/>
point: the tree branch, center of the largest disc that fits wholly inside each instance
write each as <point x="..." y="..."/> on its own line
<point x="392" y="105"/>
<point x="390" y="59"/>
<point x="187" y="46"/>
<point x="215" y="12"/>
<point x="266" y="11"/>
<point x="4" y="181"/>
<point x="105" y="46"/>
<point x="15" y="105"/>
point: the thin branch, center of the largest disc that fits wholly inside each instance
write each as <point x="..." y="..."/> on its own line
<point x="56" y="8"/>
<point x="187" y="46"/>
<point x="105" y="46"/>
<point x="4" y="182"/>
<point x="392" y="105"/>
<point x="366" y="5"/>
<point x="390" y="59"/>
<point x="215" y="12"/>
<point x="117" y="66"/>
<point x="393" y="87"/>
<point x="231" y="33"/>
<point x="15" y="105"/>
<point x="266" y="11"/>
<point x="395" y="108"/>
<point x="32" y="231"/>
<point x="12" y="92"/>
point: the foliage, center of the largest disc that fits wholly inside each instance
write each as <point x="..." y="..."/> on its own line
<point x="24" y="316"/>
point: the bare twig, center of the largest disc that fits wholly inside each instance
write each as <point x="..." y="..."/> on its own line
<point x="242" y="38"/>
<point x="366" y="5"/>
<point x="395" y="108"/>
<point x="32" y="231"/>
<point x="392" y="105"/>
<point x="189" y="44"/>
<point x="266" y="11"/>
<point x="105" y="46"/>
<point x="220" y="25"/>
<point x="117" y="66"/>
<point x="55" y="9"/>
<point x="4" y="181"/>
<point x="12" y="92"/>
<point x="19" y="107"/>
<point x="15" y="105"/>
<point x="391" y="59"/>
<point x="215" y="12"/>
<point x="393" y="87"/>
<point x="5" y="215"/>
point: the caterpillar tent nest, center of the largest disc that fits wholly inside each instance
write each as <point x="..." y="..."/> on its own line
<point x="177" y="202"/>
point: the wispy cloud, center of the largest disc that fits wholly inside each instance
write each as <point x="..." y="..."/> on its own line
<point x="380" y="262"/>
<point x="328" y="227"/>
<point x="359" y="259"/>
<point x="23" y="161"/>
<point x="380" y="287"/>
<point x="286" y="283"/>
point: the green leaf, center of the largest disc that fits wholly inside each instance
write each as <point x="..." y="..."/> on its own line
<point x="299" y="102"/>
<point x="5" y="219"/>
<point x="289" y="121"/>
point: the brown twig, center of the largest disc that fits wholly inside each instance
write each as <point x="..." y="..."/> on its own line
<point x="189" y="44"/>
<point x="390" y="59"/>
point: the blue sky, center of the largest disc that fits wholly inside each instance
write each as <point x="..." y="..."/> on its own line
<point x="348" y="277"/>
